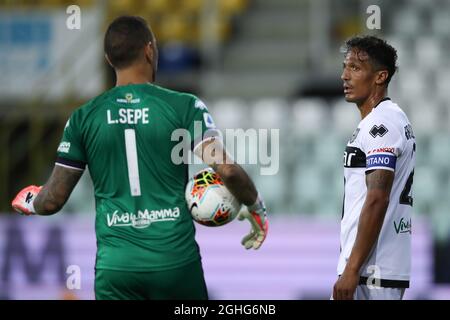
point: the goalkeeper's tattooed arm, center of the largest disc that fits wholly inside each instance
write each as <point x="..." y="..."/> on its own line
<point x="57" y="190"/>
<point x="238" y="182"/>
<point x="213" y="153"/>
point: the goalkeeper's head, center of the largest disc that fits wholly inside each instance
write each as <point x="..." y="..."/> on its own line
<point x="129" y="42"/>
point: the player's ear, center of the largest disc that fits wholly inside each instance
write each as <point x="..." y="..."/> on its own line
<point x="109" y="61"/>
<point x="148" y="52"/>
<point x="381" y="77"/>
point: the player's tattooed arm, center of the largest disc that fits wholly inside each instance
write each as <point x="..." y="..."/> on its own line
<point x="380" y="180"/>
<point x="214" y="154"/>
<point x="238" y="182"/>
<point x="379" y="185"/>
<point x="57" y="190"/>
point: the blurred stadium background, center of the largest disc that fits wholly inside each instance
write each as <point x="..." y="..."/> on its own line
<point x="256" y="64"/>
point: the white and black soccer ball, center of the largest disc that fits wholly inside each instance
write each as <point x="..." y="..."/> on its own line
<point x="209" y="201"/>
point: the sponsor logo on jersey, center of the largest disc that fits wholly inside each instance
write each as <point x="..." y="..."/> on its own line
<point x="381" y="160"/>
<point x="64" y="147"/>
<point x="380" y="150"/>
<point x="354" y="158"/>
<point x="142" y="219"/>
<point x="209" y="122"/>
<point x="403" y="226"/>
<point x="380" y="130"/>
<point x="128" y="99"/>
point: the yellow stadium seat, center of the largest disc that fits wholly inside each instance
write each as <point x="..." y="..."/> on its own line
<point x="173" y="27"/>
<point x="156" y="6"/>
<point x="192" y="6"/>
<point x="231" y="7"/>
<point x="117" y="6"/>
<point x="222" y="28"/>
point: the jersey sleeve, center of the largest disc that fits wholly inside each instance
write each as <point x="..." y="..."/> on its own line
<point x="382" y="143"/>
<point x="200" y="123"/>
<point x="70" y="151"/>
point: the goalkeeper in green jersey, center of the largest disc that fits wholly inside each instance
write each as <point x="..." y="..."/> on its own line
<point x="146" y="247"/>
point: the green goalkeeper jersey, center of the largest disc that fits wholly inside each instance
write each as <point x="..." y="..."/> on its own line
<point x="125" y="137"/>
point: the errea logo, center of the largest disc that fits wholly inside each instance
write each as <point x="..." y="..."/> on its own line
<point x="378" y="131"/>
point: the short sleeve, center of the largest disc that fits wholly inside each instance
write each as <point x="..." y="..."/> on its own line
<point x="200" y="123"/>
<point x="71" y="150"/>
<point x="382" y="143"/>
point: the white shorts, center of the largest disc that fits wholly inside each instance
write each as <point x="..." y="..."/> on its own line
<point x="363" y="292"/>
<point x="377" y="293"/>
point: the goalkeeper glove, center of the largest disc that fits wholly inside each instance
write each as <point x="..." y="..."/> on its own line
<point x="257" y="216"/>
<point x="23" y="202"/>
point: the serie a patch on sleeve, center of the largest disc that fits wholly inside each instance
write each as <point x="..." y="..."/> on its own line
<point x="383" y="160"/>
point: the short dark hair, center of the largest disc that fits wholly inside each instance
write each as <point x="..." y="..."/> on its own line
<point x="125" y="38"/>
<point x="381" y="54"/>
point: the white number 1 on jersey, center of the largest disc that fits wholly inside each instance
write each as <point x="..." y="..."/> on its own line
<point x="132" y="162"/>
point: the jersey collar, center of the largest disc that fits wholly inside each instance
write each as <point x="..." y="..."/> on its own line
<point x="382" y="100"/>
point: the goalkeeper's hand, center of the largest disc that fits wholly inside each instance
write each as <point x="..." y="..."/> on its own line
<point x="23" y="202"/>
<point x="257" y="216"/>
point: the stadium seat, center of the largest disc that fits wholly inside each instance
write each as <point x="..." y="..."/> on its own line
<point x="174" y="28"/>
<point x="309" y="116"/>
<point x="412" y="83"/>
<point x="439" y="218"/>
<point x="121" y="5"/>
<point x="426" y="188"/>
<point x="232" y="7"/>
<point x="424" y="116"/>
<point x="157" y="6"/>
<point x="272" y="188"/>
<point x="270" y="113"/>
<point x="407" y="22"/>
<point x="442" y="81"/>
<point x="308" y="188"/>
<point x="439" y="151"/>
<point x="230" y="113"/>
<point x="331" y="196"/>
<point x="177" y="56"/>
<point x="329" y="149"/>
<point x="428" y="52"/>
<point x="440" y="24"/>
<point x="423" y="149"/>
<point x="193" y="7"/>
<point x="345" y="117"/>
<point x="446" y="107"/>
<point x="403" y="47"/>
